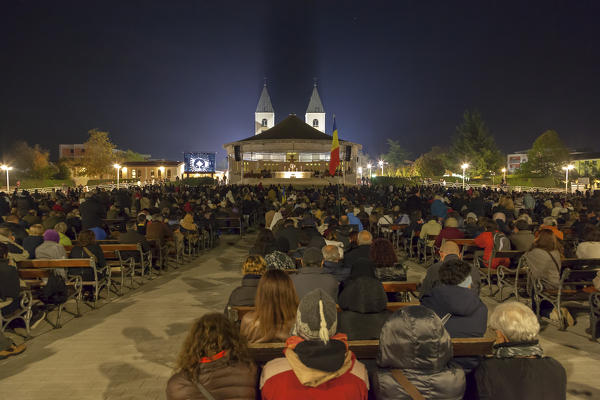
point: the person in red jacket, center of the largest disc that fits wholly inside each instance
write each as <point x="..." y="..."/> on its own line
<point x="486" y="241"/>
<point x="450" y="231"/>
<point x="317" y="363"/>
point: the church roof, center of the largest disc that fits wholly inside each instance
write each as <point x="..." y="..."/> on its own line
<point x="315" y="105"/>
<point x="264" y="103"/>
<point x="290" y="128"/>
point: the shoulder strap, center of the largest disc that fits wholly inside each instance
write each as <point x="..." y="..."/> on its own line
<point x="204" y="392"/>
<point x="553" y="260"/>
<point x="89" y="253"/>
<point x="412" y="391"/>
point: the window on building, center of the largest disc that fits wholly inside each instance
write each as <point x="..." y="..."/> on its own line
<point x="264" y="122"/>
<point x="168" y="173"/>
<point x="159" y="173"/>
<point x="133" y="173"/>
<point x="152" y="173"/>
<point x="315" y="123"/>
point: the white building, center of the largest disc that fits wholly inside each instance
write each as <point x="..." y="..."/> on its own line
<point x="514" y="161"/>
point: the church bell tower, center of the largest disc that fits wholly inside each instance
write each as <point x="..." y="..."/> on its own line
<point x="315" y="113"/>
<point x="264" y="116"/>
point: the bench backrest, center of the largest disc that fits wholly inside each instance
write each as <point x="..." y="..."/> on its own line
<point x="56" y="263"/>
<point x="110" y="249"/>
<point x="399" y="286"/>
<point x="368" y="349"/>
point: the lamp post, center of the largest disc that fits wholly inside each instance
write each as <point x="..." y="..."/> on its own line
<point x="504" y="175"/>
<point x="380" y="162"/>
<point x="464" y="168"/>
<point x="6" y="168"/>
<point x="118" y="168"/>
<point x="567" y="168"/>
<point x="369" y="165"/>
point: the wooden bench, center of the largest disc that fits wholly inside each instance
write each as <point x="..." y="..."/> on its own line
<point x="98" y="283"/>
<point x="229" y="223"/>
<point x="463" y="244"/>
<point x="243" y="310"/>
<point x="368" y="349"/>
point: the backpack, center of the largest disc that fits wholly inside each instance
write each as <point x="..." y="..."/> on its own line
<point x="55" y="290"/>
<point x="501" y="242"/>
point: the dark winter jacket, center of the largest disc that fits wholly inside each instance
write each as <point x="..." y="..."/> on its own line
<point x="310" y="278"/>
<point x="31" y="243"/>
<point x="244" y="295"/>
<point x="432" y="277"/>
<point x="92" y="212"/>
<point x="468" y="315"/>
<point x="362" y="251"/>
<point x="363" y="302"/>
<point x="339" y="271"/>
<point x="414" y="340"/>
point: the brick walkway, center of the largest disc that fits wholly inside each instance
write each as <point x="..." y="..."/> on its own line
<point x="126" y="349"/>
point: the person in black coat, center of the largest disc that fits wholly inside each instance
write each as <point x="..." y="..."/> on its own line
<point x="92" y="213"/>
<point x="454" y="298"/>
<point x="519" y="369"/>
<point x="88" y="248"/>
<point x="254" y="267"/>
<point x="362" y="251"/>
<point x="34" y="239"/>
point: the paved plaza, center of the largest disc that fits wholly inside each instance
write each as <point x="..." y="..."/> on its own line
<point x="126" y="348"/>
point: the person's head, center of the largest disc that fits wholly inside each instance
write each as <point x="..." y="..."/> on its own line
<point x="489" y="225"/>
<point x="344" y="220"/>
<point x="451" y="223"/>
<point x="312" y="257"/>
<point x="50" y="235"/>
<point x="471" y="218"/>
<point x="521" y="225"/>
<point x="546" y="240"/>
<point x="3" y="251"/>
<point x="36" y="230"/>
<point x="353" y="237"/>
<point x="449" y="247"/>
<point x="550" y="221"/>
<point x="316" y="318"/>
<point x="499" y="216"/>
<point x="131" y="225"/>
<point x="592" y="234"/>
<point x="86" y="237"/>
<point x="330" y="253"/>
<point x="141" y="218"/>
<point x="364" y="238"/>
<point x="12" y="219"/>
<point x="255" y="265"/>
<point x="456" y="273"/>
<point x="208" y="336"/>
<point x="514" y="322"/>
<point x="382" y="253"/>
<point x="61" y="227"/>
<point x="276" y="300"/>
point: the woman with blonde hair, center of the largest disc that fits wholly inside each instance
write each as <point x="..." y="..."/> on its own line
<point x="252" y="269"/>
<point x="213" y="361"/>
<point x="61" y="228"/>
<point x="276" y="304"/>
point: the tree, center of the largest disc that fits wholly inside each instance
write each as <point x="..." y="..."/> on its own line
<point x="431" y="163"/>
<point x="131" y="155"/>
<point x="396" y="154"/>
<point x="474" y="144"/>
<point x="99" y="154"/>
<point x="547" y="156"/>
<point x="32" y="161"/>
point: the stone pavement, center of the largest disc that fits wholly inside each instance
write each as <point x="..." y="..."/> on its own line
<point x="126" y="348"/>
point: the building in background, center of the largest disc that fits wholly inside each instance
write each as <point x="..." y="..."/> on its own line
<point x="146" y="171"/>
<point x="586" y="164"/>
<point x="514" y="161"/>
<point x="71" y="151"/>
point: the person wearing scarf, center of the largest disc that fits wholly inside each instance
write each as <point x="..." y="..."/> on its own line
<point x="518" y="368"/>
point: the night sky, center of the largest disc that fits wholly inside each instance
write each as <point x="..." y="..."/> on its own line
<point x="171" y="76"/>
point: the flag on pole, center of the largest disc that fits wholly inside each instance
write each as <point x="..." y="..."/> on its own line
<point x="334" y="158"/>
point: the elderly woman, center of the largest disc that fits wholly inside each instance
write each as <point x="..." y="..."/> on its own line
<point x="518" y="369"/>
<point x="61" y="228"/>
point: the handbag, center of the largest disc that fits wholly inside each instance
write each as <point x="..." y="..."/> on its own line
<point x="55" y="290"/>
<point x="204" y="392"/>
<point x="411" y="389"/>
<point x="387" y="274"/>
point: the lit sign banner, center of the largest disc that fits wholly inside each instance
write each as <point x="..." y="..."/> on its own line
<point x="199" y="162"/>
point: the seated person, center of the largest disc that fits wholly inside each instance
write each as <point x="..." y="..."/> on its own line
<point x="333" y="264"/>
<point x="16" y="252"/>
<point x="215" y="356"/>
<point x="450" y="231"/>
<point x="252" y="270"/>
<point x="275" y="309"/>
<point x="363" y="250"/>
<point x="34" y="239"/>
<point x="487" y="241"/>
<point x="472" y="228"/>
<point x="426" y="365"/>
<point x="61" y="228"/>
<point x="312" y="275"/>
<point x="519" y="369"/>
<point x="551" y="224"/>
<point x="431" y="228"/>
<point x="132" y="236"/>
<point x="590" y="246"/>
<point x="88" y="248"/>
<point x="364" y="308"/>
<point x="317" y="362"/>
<point x="448" y="252"/>
<point x="14" y="224"/>
<point x="522" y="238"/>
<point x="50" y="248"/>
<point x="468" y="314"/>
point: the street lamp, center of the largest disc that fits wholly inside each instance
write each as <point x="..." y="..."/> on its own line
<point x="567" y="168"/>
<point x="6" y="168"/>
<point x="504" y="175"/>
<point x="162" y="172"/>
<point x="380" y="162"/>
<point x="464" y="167"/>
<point x="360" y="172"/>
<point x="369" y="165"/>
<point x="118" y="168"/>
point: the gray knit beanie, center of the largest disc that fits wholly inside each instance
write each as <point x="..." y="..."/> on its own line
<point x="316" y="318"/>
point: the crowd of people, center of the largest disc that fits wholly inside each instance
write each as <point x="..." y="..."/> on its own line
<point x="314" y="278"/>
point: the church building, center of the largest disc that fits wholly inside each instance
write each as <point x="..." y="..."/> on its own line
<point x="291" y="149"/>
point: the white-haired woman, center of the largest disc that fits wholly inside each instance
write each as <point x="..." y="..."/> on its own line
<point x="518" y="369"/>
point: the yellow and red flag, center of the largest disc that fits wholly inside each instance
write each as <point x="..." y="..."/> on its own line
<point x="334" y="158"/>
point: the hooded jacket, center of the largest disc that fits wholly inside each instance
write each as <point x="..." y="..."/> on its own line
<point x="363" y="302"/>
<point x="314" y="370"/>
<point x="414" y="340"/>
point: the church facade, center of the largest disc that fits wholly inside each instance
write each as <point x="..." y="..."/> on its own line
<point x="292" y="149"/>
